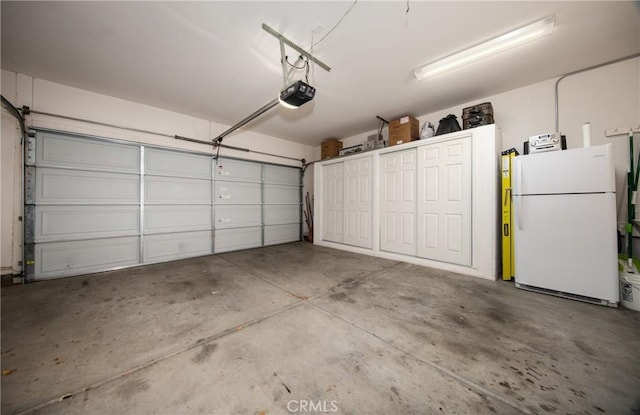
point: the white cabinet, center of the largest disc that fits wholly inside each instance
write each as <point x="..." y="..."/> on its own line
<point x="430" y="202"/>
<point x="398" y="202"/>
<point x="444" y="201"/>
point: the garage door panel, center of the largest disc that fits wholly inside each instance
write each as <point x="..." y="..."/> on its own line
<point x="279" y="234"/>
<point x="281" y="175"/>
<point x="172" y="246"/>
<point x="176" y="218"/>
<point x="235" y="216"/>
<point x="176" y="190"/>
<point x="240" y="238"/>
<point x="85" y="222"/>
<point x="64" y="259"/>
<point x="276" y="194"/>
<point x="178" y="164"/>
<point x="281" y="214"/>
<point x="86" y="153"/>
<point x="236" y="170"/>
<point x="230" y="193"/>
<point x="59" y="186"/>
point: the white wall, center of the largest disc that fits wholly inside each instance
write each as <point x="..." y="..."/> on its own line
<point x="45" y="96"/>
<point x="607" y="97"/>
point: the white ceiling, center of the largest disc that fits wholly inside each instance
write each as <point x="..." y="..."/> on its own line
<point x="213" y="60"/>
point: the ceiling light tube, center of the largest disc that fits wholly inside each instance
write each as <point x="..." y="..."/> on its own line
<point x="491" y="47"/>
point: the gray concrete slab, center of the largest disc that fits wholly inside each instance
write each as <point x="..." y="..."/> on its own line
<point x="310" y="270"/>
<point x="296" y="358"/>
<point x="548" y="354"/>
<point x="224" y="333"/>
<point x="64" y="334"/>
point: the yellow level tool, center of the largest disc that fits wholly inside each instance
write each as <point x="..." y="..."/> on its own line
<point x="508" y="269"/>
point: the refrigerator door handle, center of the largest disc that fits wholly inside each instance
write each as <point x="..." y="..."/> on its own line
<point x="517" y="202"/>
<point x="517" y="186"/>
<point x="518" y="183"/>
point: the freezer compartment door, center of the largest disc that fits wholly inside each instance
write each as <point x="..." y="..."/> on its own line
<point x="567" y="243"/>
<point x="579" y="170"/>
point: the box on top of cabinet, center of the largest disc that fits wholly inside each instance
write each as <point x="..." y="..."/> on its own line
<point x="330" y="148"/>
<point x="403" y="130"/>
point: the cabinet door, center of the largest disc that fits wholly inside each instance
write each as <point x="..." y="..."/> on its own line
<point x="444" y="201"/>
<point x="398" y="202"/>
<point x="358" y="202"/>
<point x="333" y="202"/>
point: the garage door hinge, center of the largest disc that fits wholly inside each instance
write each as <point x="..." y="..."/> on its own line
<point x="30" y="156"/>
<point x="30" y="185"/>
<point x="29" y="213"/>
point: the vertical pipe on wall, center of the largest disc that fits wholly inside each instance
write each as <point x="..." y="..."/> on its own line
<point x="557" y="111"/>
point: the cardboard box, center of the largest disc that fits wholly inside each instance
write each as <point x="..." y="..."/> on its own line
<point x="403" y="130"/>
<point x="330" y="148"/>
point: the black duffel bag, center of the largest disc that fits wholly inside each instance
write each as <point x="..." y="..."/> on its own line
<point x="448" y="124"/>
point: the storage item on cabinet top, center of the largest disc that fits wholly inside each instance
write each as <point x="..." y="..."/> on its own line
<point x="350" y="150"/>
<point x="477" y="115"/>
<point x="375" y="141"/>
<point x="330" y="148"/>
<point x="403" y="130"/>
<point x="448" y="124"/>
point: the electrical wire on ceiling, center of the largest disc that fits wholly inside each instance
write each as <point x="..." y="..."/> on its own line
<point x="305" y="66"/>
<point x="306" y="72"/>
<point x="313" y="44"/>
<point x="335" y="25"/>
<point x="297" y="67"/>
<point x="313" y="67"/>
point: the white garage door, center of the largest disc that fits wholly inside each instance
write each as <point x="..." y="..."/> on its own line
<point x="94" y="205"/>
<point x="256" y="204"/>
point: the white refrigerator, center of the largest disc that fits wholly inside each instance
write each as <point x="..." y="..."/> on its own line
<point x="564" y="210"/>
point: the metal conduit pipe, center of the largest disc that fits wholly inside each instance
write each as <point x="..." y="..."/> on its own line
<point x="635" y="55"/>
<point x="139" y="130"/>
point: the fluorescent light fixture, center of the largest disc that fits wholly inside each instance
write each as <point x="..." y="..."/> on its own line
<point x="498" y="44"/>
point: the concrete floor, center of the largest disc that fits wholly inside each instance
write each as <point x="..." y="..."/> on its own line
<point x="298" y="329"/>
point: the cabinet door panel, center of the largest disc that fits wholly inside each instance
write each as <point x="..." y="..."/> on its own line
<point x="444" y="201"/>
<point x="398" y="202"/>
<point x="358" y="202"/>
<point x="333" y="202"/>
